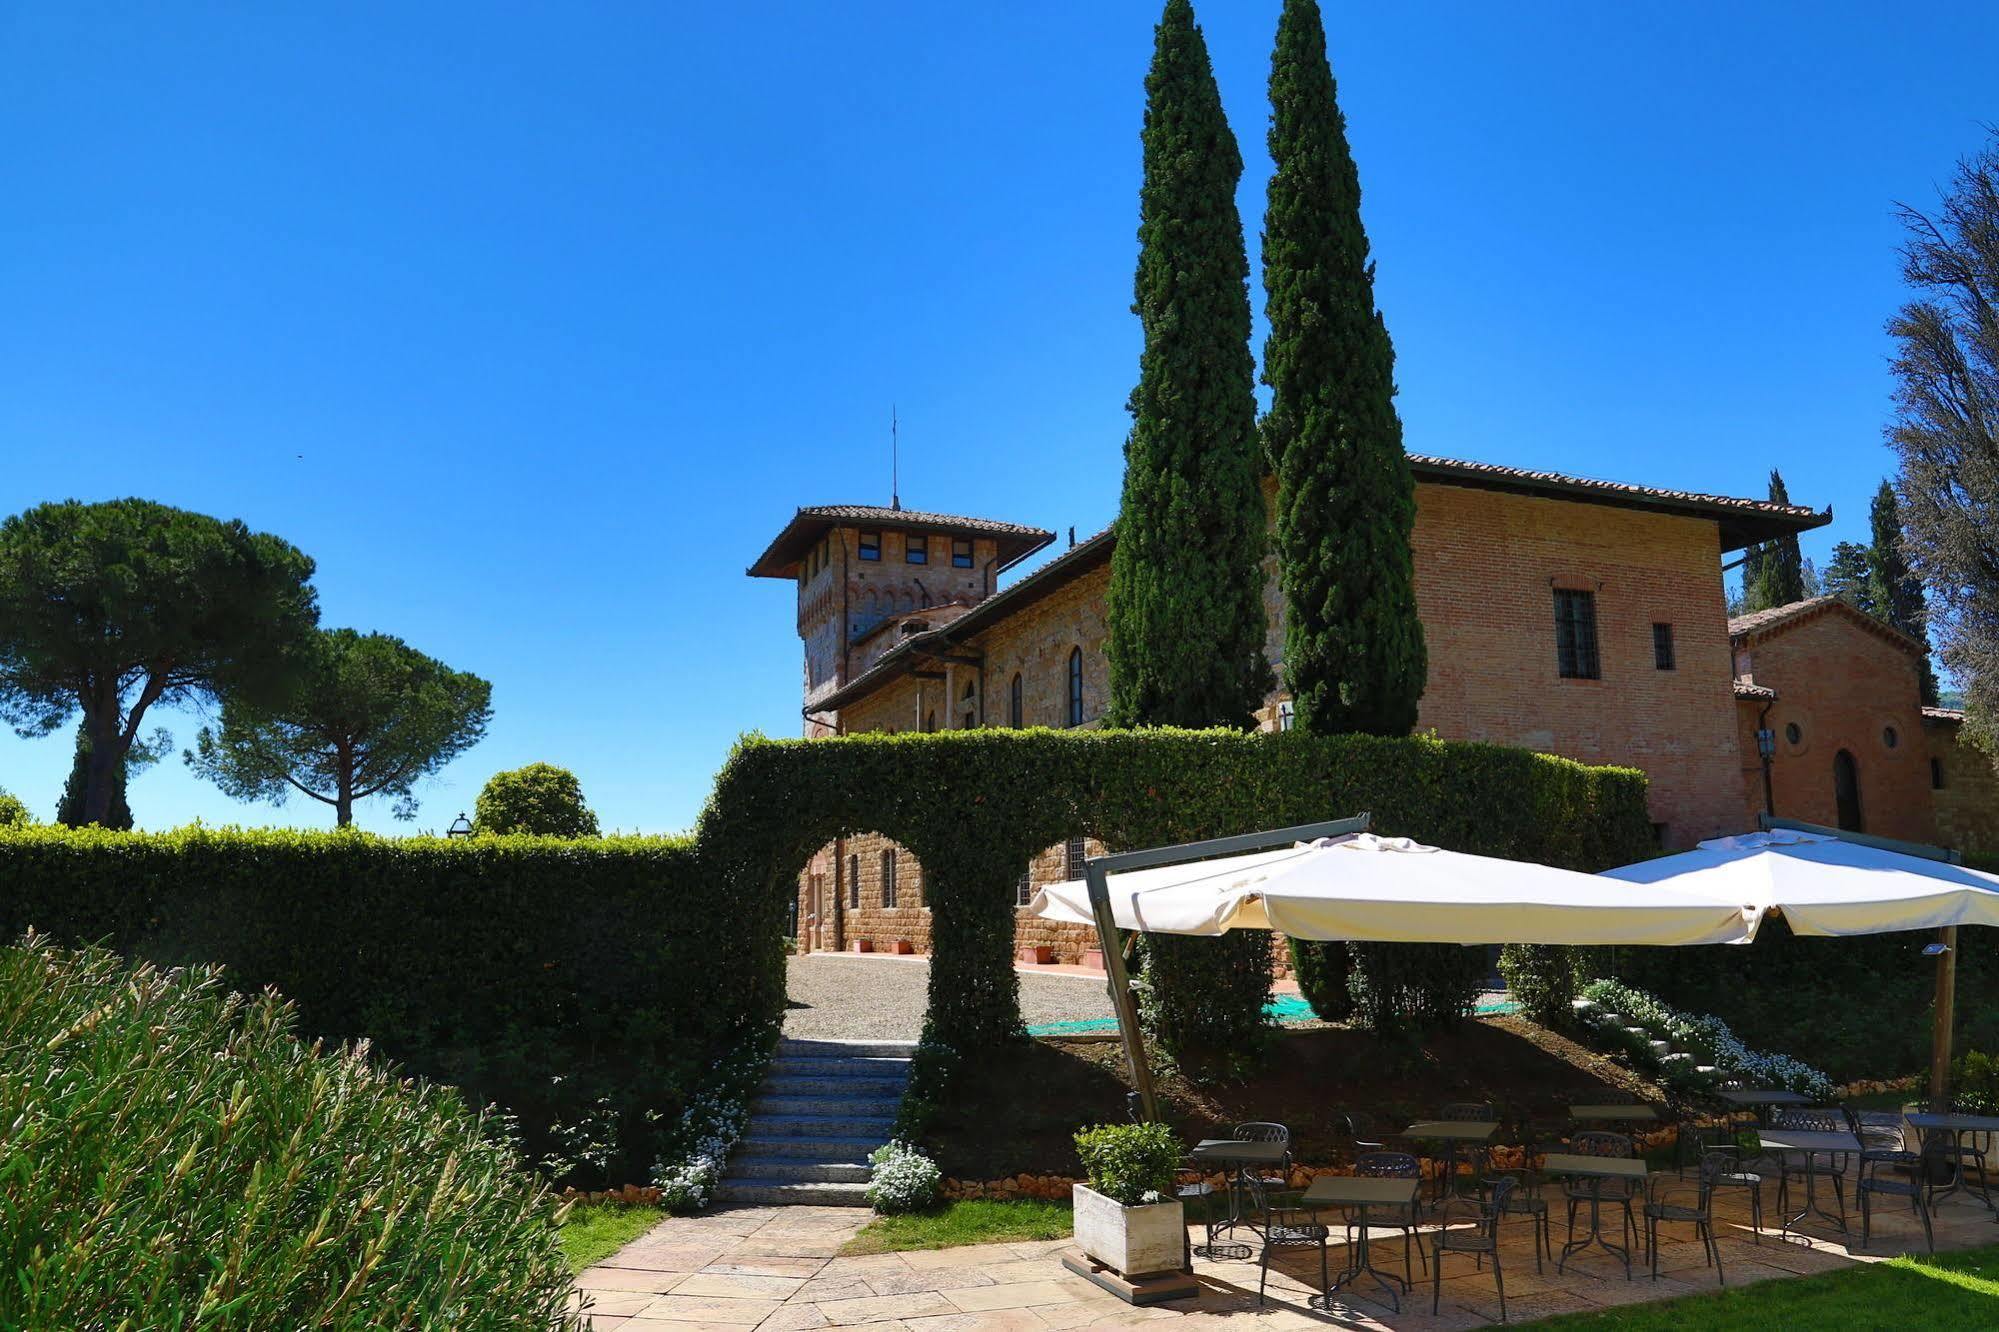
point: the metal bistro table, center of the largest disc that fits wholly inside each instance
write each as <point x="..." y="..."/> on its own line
<point x="1238" y="1158"/>
<point x="1360" y="1193"/>
<point x="1813" y="1146"/>
<point x="1957" y="1126"/>
<point x="1450" y="1132"/>
<point x="1761" y="1100"/>
<point x="1596" y="1169"/>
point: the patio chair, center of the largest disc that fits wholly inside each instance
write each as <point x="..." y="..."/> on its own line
<point x="1524" y="1195"/>
<point x="1798" y="1165"/>
<point x="1668" y="1198"/>
<point x="1737" y="1173"/>
<point x="1613" y="1192"/>
<point x="1260" y="1131"/>
<point x="1890" y="1169"/>
<point x="1292" y="1228"/>
<point x="1362" y="1136"/>
<point x="1205" y="1191"/>
<point x="1480" y="1237"/>
<point x="1955" y="1151"/>
<point x="1478" y="1157"/>
<point x="1400" y="1216"/>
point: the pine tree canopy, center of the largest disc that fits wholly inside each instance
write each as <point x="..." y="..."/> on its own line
<point x="1354" y="655"/>
<point x="1185" y="605"/>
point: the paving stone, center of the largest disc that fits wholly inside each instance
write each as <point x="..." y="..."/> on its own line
<point x="619" y="1303"/>
<point x="1017" y="1294"/>
<point x="679" y="1311"/>
<point x="910" y="1281"/>
<point x="877" y="1308"/>
<point x="727" y="1286"/>
<point x="731" y="1265"/>
<point x="794" y="1318"/>
<point x="630" y="1279"/>
<point x="1009" y="1320"/>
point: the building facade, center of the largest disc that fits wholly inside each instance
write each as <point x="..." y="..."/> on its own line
<point x="1571" y="616"/>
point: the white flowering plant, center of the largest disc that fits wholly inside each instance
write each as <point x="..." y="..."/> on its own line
<point x="1706" y="1036"/>
<point x="712" y="1124"/>
<point x="903" y="1179"/>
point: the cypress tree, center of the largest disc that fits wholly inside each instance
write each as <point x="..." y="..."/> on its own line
<point x="1896" y="594"/>
<point x="1776" y="574"/>
<point x="69" y="809"/>
<point x="1185" y="603"/>
<point x="1346" y="502"/>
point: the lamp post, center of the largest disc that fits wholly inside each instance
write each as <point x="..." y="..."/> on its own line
<point x="1766" y="747"/>
<point x="460" y="827"/>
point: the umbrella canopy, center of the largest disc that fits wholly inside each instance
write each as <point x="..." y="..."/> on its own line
<point x="1824" y="885"/>
<point x="1393" y="890"/>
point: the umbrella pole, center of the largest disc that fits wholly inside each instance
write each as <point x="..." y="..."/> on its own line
<point x="1120" y="987"/>
<point x="1945" y="1016"/>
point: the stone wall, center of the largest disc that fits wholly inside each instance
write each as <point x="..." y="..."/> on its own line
<point x="1967" y="803"/>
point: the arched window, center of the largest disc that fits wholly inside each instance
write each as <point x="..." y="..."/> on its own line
<point x="1076" y="686"/>
<point x="1013" y="710"/>
<point x="1846" y="790"/>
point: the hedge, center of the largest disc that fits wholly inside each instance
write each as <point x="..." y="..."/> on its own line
<point x="583" y="986"/>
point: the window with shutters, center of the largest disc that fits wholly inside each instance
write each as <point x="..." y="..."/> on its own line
<point x="1575" y="635"/>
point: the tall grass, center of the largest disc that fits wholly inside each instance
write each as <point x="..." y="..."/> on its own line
<point x="172" y="1156"/>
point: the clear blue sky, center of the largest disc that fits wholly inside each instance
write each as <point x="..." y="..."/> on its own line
<point x="532" y="325"/>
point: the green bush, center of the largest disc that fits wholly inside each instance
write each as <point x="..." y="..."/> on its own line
<point x="1203" y="1001"/>
<point x="1542" y="980"/>
<point x="1130" y="1163"/>
<point x="586" y="987"/>
<point x="1407" y="989"/>
<point x="13" y="814"/>
<point x="175" y="1157"/>
<point x="540" y="800"/>
<point x="1974" y="1083"/>
<point x="1320" y="969"/>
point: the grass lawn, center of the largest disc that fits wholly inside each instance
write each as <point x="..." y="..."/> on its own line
<point x="976" y="1221"/>
<point x="590" y="1234"/>
<point x="1949" y="1290"/>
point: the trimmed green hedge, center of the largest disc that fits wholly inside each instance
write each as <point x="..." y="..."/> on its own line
<point x="583" y="986"/>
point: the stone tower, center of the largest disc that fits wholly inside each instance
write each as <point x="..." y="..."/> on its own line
<point x="869" y="577"/>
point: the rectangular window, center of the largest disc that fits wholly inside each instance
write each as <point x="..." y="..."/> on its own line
<point x="961" y="553"/>
<point x="1662" y="646"/>
<point x="888" y="878"/>
<point x="916" y="549"/>
<point x="1575" y="635"/>
<point x="1073" y="855"/>
<point x="1287" y="714"/>
<point x="1023" y="892"/>
<point x="1936" y="774"/>
<point x="854" y="883"/>
<point x="871" y="546"/>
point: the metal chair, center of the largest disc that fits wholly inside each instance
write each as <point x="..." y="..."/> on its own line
<point x="1890" y="1169"/>
<point x="1401" y="1216"/>
<point x="1200" y="1188"/>
<point x="1261" y="1131"/>
<point x="1478" y="1157"/>
<point x="1811" y="1119"/>
<point x="1292" y="1228"/>
<point x="1480" y="1238"/>
<point x="1668" y="1198"/>
<point x="1361" y="1135"/>
<point x="1617" y="1192"/>
<point x="1951" y="1148"/>
<point x="1523" y="1195"/>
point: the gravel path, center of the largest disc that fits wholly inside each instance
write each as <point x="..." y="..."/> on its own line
<point x="842" y="996"/>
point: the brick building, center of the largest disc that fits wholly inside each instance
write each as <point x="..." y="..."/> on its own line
<point x="1572" y="616"/>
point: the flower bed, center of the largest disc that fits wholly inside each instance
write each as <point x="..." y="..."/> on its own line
<point x="713" y="1123"/>
<point x="1699" y="1041"/>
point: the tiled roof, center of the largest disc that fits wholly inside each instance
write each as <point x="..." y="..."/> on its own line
<point x="1743" y="522"/>
<point x="780" y="558"/>
<point x="1944" y="716"/>
<point x="1744" y="689"/>
<point x="1782" y="617"/>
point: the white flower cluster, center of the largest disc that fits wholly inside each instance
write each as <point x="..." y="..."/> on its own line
<point x="1706" y="1035"/>
<point x="903" y="1179"/>
<point x="711" y="1125"/>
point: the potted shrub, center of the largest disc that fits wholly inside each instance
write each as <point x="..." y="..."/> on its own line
<point x="1127" y="1217"/>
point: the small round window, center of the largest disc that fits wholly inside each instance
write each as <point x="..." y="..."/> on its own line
<point x="1793" y="734"/>
<point x="1890" y="736"/>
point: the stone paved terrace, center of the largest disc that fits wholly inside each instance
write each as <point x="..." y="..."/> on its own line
<point x="776" y="1269"/>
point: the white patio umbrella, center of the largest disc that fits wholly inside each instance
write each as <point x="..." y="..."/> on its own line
<point x="1393" y="890"/>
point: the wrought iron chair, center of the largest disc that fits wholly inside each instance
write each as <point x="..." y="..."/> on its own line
<point x="1799" y="1165"/>
<point x="1361" y="1134"/>
<point x="1260" y="1131"/>
<point x="1292" y="1228"/>
<point x="1523" y="1197"/>
<point x="1615" y="1192"/>
<point x="1200" y="1188"/>
<point x="1888" y="1168"/>
<point x="1400" y="1216"/>
<point x="1477" y="1156"/>
<point x="1956" y="1153"/>
<point x="1480" y="1238"/>
<point x="1668" y="1198"/>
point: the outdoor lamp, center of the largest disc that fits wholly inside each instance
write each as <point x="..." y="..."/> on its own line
<point x="1937" y="949"/>
<point x="460" y="827"/>
<point x="1766" y="743"/>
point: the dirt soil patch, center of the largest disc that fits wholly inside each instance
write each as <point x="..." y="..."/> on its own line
<point x="1014" y="1110"/>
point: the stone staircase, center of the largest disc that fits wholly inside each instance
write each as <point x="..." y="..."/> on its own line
<point x="822" y="1108"/>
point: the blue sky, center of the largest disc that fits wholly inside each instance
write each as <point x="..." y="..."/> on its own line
<point x="533" y="324"/>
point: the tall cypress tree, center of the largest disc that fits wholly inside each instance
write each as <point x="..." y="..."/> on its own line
<point x="1185" y="604"/>
<point x="69" y="809"/>
<point x="1775" y="576"/>
<point x="1895" y="592"/>
<point x="1346" y="502"/>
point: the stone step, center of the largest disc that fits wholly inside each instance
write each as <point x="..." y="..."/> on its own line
<point x="878" y="1127"/>
<point x="794" y="1085"/>
<point x="859" y="1066"/>
<point x="810" y="1148"/>
<point x="792" y="1192"/>
<point x="1660" y="1049"/>
<point x="801" y="1168"/>
<point x="791" y="1048"/>
<point x="872" y="1107"/>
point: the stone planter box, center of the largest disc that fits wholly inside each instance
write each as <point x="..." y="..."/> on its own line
<point x="903" y="947"/>
<point x="1039" y="955"/>
<point x="863" y="945"/>
<point x="1132" y="1241"/>
<point x="1093" y="958"/>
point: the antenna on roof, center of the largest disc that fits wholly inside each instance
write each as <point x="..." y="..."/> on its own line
<point x="894" y="462"/>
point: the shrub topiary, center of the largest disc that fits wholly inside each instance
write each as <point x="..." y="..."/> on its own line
<point x="175" y="1156"/>
<point x="541" y="800"/>
<point x="1542" y="980"/>
<point x="1321" y="969"/>
<point x="1130" y="1164"/>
